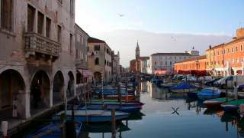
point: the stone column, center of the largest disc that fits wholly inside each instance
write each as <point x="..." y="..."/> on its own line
<point x="51" y="95"/>
<point x="26" y="100"/>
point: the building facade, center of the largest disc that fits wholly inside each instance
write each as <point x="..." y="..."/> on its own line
<point x="99" y="60"/>
<point x="135" y="64"/>
<point x="195" y="66"/>
<point x="116" y="70"/>
<point x="144" y="64"/>
<point x="37" y="68"/>
<point x="227" y="58"/>
<point x="163" y="63"/>
<point x="83" y="75"/>
<point x="221" y="60"/>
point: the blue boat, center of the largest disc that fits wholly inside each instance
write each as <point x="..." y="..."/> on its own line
<point x="53" y="130"/>
<point x="116" y="103"/>
<point x="183" y="87"/>
<point x="127" y="109"/>
<point x="113" y="91"/>
<point x="209" y="93"/>
<point x="92" y="115"/>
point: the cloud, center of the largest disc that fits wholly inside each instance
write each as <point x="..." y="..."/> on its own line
<point x="124" y="41"/>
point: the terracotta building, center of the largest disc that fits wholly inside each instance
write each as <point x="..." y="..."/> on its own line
<point x="221" y="60"/>
<point x="194" y="65"/>
<point x="135" y="64"/>
<point x="226" y="59"/>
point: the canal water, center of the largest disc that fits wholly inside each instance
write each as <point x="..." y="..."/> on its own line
<point x="167" y="115"/>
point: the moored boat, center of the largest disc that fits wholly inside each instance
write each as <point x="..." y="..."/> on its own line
<point x="183" y="87"/>
<point x="53" y="130"/>
<point x="215" y="103"/>
<point x="232" y="105"/>
<point x="127" y="109"/>
<point x="92" y="115"/>
<point x="209" y="93"/>
<point x="126" y="98"/>
<point x="116" y="103"/>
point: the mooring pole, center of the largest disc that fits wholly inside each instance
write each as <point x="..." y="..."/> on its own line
<point x="113" y="124"/>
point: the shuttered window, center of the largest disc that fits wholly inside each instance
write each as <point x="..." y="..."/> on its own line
<point x="6" y="14"/>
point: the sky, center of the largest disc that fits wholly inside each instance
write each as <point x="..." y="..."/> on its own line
<point x="160" y="25"/>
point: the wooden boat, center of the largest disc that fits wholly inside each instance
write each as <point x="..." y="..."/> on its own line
<point x="92" y="115"/>
<point x="112" y="91"/>
<point x="53" y="130"/>
<point x="183" y="87"/>
<point x="116" y="103"/>
<point x="208" y="93"/>
<point x="127" y="109"/>
<point x="126" y="98"/>
<point x="232" y="105"/>
<point x="215" y="103"/>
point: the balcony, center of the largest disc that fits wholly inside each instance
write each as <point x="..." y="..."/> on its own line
<point x="38" y="45"/>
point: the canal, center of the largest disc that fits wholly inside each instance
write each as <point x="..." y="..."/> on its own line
<point x="171" y="116"/>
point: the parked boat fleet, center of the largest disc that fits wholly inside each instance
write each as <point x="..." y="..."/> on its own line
<point x="110" y="104"/>
<point x="213" y="93"/>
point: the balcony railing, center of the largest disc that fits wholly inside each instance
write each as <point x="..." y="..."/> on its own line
<point x="35" y="43"/>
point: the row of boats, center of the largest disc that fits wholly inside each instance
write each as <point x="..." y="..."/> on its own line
<point x="102" y="110"/>
<point x="212" y="97"/>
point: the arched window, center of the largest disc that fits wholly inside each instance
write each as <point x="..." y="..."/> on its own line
<point x="97" y="61"/>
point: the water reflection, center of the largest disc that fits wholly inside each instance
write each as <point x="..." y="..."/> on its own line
<point x="168" y="114"/>
<point x="155" y="92"/>
<point x="105" y="129"/>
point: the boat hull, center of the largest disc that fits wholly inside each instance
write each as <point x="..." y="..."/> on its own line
<point x="93" y="115"/>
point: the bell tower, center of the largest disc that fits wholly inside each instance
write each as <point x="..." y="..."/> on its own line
<point x="137" y="51"/>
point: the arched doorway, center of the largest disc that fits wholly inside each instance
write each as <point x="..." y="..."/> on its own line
<point x="11" y="85"/>
<point x="40" y="92"/>
<point x="79" y="77"/>
<point x="58" y="88"/>
<point x="70" y="88"/>
<point x="98" y="77"/>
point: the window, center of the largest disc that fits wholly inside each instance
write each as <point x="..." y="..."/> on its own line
<point x="97" y="48"/>
<point x="48" y="27"/>
<point x="97" y="61"/>
<point x="59" y="33"/>
<point x="31" y="18"/>
<point x="241" y="47"/>
<point x="81" y="39"/>
<point x="70" y="43"/>
<point x="71" y="7"/>
<point x="40" y="23"/>
<point x="7" y="14"/>
<point x="76" y="53"/>
<point x="236" y="49"/>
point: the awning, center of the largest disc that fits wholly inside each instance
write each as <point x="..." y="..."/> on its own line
<point x="160" y="72"/>
<point x="85" y="72"/>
